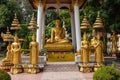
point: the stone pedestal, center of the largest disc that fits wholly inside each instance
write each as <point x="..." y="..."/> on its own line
<point x="6" y="65"/>
<point x="77" y="58"/>
<point x="96" y="67"/>
<point x="16" y="69"/>
<point x="34" y="69"/>
<point x="86" y="68"/>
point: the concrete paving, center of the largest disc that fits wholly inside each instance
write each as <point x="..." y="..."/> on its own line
<point x="56" y="71"/>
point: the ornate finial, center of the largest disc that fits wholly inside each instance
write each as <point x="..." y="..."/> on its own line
<point x="15" y="15"/>
<point x="85" y="24"/>
<point x="58" y="3"/>
<point x="98" y="15"/>
<point x="8" y="32"/>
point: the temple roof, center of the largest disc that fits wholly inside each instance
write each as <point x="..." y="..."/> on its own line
<point x="34" y="2"/>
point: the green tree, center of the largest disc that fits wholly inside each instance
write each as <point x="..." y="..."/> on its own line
<point x="7" y="10"/>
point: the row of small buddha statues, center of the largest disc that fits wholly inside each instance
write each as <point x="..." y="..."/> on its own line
<point x="13" y="55"/>
<point x="96" y="47"/>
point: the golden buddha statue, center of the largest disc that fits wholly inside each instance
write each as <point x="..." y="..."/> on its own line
<point x="85" y="50"/>
<point x="57" y="41"/>
<point x="34" y="51"/>
<point x="8" y="54"/>
<point x="58" y="34"/>
<point x="99" y="51"/>
<point x="92" y="43"/>
<point x="15" y="49"/>
<point x="114" y="43"/>
<point x="34" y="54"/>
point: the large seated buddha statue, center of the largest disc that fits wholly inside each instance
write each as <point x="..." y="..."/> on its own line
<point x="57" y="41"/>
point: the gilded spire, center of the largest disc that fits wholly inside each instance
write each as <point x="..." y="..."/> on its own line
<point x="85" y="24"/>
<point x="7" y="36"/>
<point x="33" y="23"/>
<point x="8" y="32"/>
<point x="98" y="22"/>
<point x="15" y="24"/>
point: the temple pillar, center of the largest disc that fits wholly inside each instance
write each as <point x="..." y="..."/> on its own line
<point x="39" y="22"/>
<point x="73" y="30"/>
<point x="77" y="27"/>
<point x="43" y="31"/>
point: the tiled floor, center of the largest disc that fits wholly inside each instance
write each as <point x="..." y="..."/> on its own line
<point x="56" y="71"/>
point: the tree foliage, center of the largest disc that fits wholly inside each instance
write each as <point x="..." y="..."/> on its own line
<point x="7" y="10"/>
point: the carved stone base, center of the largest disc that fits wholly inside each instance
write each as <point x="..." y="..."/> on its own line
<point x="6" y="65"/>
<point x="96" y="67"/>
<point x="26" y="68"/>
<point x="16" y="69"/>
<point x="34" y="69"/>
<point x="86" y="68"/>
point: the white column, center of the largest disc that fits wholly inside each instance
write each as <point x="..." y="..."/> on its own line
<point x="77" y="27"/>
<point x="73" y="30"/>
<point x="39" y="22"/>
<point x="43" y="30"/>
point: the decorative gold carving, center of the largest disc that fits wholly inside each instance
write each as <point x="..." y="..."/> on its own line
<point x="86" y="68"/>
<point x="58" y="4"/>
<point x="15" y="24"/>
<point x="85" y="24"/>
<point x="98" y="23"/>
<point x="7" y="37"/>
<point x="33" y="23"/>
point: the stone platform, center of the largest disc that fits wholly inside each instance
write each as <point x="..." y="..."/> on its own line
<point x="56" y="71"/>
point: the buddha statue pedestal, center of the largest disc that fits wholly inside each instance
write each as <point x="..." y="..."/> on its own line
<point x="96" y="67"/>
<point x="34" y="69"/>
<point x="6" y="65"/>
<point x="57" y="48"/>
<point x="86" y="68"/>
<point x="16" y="69"/>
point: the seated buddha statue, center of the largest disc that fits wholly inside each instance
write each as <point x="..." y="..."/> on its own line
<point x="58" y="34"/>
<point x="57" y="41"/>
<point x="8" y="54"/>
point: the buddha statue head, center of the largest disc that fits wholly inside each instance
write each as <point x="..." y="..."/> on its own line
<point x="85" y="36"/>
<point x="33" y="37"/>
<point x="98" y="36"/>
<point x="16" y="38"/>
<point x="58" y="22"/>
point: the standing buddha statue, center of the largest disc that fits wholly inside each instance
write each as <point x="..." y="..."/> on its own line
<point x="114" y="43"/>
<point x="15" y="49"/>
<point x="34" y="54"/>
<point x="16" y="55"/>
<point x="99" y="51"/>
<point x="34" y="51"/>
<point x="85" y="50"/>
